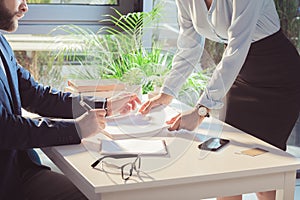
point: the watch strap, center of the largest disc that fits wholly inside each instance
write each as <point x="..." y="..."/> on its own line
<point x="207" y="114"/>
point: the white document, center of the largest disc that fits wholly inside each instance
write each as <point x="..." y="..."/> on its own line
<point x="134" y="146"/>
<point x="133" y="125"/>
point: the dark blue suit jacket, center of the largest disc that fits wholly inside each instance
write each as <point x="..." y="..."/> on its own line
<point x="19" y="135"/>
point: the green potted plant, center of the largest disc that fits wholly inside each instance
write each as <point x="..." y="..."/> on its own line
<point x="118" y="52"/>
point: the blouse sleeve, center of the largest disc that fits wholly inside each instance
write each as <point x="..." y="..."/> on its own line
<point x="189" y="50"/>
<point x="245" y="15"/>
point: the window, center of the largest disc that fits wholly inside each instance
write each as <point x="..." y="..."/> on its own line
<point x="44" y="15"/>
<point x="96" y="2"/>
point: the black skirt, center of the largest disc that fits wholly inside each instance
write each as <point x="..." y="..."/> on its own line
<point x="264" y="100"/>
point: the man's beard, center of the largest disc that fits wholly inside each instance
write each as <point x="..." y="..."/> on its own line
<point x="7" y="20"/>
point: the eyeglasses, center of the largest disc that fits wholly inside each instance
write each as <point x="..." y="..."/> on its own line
<point x="106" y="164"/>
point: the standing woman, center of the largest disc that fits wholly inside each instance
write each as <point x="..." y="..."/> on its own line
<point x="258" y="75"/>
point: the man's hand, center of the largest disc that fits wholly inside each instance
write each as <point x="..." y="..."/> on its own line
<point x="189" y="120"/>
<point x="91" y="122"/>
<point x="122" y="103"/>
<point x="160" y="99"/>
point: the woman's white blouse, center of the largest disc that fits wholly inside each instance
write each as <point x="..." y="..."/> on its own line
<point x="235" y="22"/>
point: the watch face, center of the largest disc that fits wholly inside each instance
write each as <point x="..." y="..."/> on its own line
<point x="202" y="111"/>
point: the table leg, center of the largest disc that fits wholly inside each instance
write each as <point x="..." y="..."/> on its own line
<point x="288" y="191"/>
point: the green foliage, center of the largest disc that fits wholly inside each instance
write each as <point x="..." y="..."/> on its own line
<point x="214" y="49"/>
<point x="50" y="69"/>
<point x="118" y="52"/>
<point x="45" y="66"/>
<point x="194" y="86"/>
<point x="290" y="19"/>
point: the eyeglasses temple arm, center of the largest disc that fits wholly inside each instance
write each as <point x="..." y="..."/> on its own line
<point x="116" y="157"/>
<point x="95" y="163"/>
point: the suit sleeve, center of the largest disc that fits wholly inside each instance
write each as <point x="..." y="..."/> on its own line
<point x="47" y="101"/>
<point x="18" y="132"/>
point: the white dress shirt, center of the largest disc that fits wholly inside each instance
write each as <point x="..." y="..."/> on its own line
<point x="2" y="66"/>
<point x="235" y="22"/>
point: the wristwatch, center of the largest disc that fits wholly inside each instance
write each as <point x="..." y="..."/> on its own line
<point x="203" y="111"/>
<point x="100" y="103"/>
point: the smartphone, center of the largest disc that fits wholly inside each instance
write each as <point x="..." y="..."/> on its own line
<point x="213" y="144"/>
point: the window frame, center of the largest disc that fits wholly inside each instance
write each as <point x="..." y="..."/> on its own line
<point x="42" y="18"/>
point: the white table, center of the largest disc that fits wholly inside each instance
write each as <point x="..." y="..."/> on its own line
<point x="187" y="173"/>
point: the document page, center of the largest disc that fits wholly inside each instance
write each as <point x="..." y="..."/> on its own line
<point x="137" y="125"/>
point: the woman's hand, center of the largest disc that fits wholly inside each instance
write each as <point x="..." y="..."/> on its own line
<point x="122" y="103"/>
<point x="91" y="122"/>
<point x="160" y="99"/>
<point x="189" y="120"/>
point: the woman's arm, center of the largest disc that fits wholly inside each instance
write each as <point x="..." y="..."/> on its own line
<point x="244" y="19"/>
<point x="190" y="46"/>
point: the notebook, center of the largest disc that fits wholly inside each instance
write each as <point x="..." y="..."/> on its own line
<point x="134" y="146"/>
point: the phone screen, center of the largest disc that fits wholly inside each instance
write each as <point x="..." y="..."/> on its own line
<point x="213" y="144"/>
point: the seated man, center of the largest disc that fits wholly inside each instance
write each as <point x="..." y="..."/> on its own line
<point x="21" y="175"/>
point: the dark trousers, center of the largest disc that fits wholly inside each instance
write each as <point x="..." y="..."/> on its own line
<point x="40" y="183"/>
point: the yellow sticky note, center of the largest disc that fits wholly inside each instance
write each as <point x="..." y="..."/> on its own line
<point x="254" y="152"/>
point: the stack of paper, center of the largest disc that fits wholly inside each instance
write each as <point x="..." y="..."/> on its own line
<point x="96" y="85"/>
<point x="103" y="87"/>
<point x="127" y="134"/>
<point x="136" y="125"/>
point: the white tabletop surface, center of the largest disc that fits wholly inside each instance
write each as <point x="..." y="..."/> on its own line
<point x="185" y="165"/>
